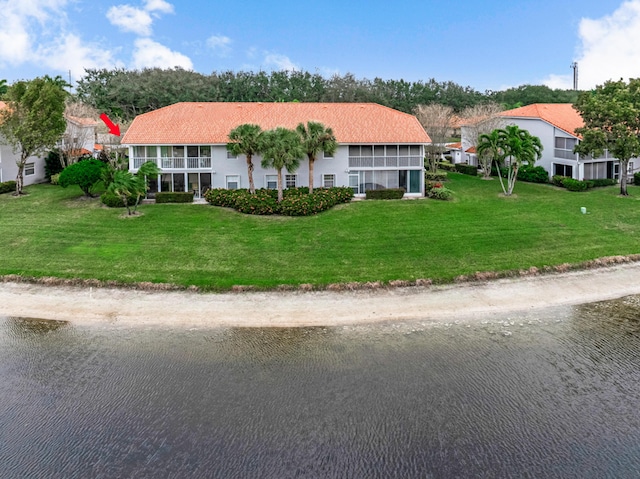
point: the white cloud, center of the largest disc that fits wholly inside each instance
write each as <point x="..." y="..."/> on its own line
<point x="150" y="54"/>
<point x="608" y="49"/>
<point x="130" y="19"/>
<point x="138" y="20"/>
<point x="279" y="62"/>
<point x="219" y="44"/>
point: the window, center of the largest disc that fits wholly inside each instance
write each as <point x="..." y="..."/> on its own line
<point x="29" y="169"/>
<point x="139" y="152"/>
<point x="290" y="181"/>
<point x="231" y="156"/>
<point x="564" y="148"/>
<point x="271" y="182"/>
<point x="328" y="181"/>
<point x="327" y="156"/>
<point x="563" y="170"/>
<point x="233" y="182"/>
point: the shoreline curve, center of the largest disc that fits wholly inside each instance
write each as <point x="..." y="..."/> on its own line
<point x="125" y="307"/>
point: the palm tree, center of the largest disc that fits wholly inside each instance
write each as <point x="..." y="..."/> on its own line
<point x="489" y="150"/>
<point x="316" y="138"/>
<point x="3" y="88"/>
<point x="281" y="148"/>
<point x="246" y="140"/>
<point x="520" y="147"/>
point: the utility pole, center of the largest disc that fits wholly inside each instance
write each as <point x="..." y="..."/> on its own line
<point x="574" y="65"/>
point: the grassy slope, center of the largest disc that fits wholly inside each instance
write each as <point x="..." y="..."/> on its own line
<point x="53" y="233"/>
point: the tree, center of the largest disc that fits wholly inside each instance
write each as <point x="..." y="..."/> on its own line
<point x="246" y="140"/>
<point x="611" y="115"/>
<point x="126" y="185"/>
<point x="281" y="148"/>
<point x="489" y="149"/>
<point x="86" y="174"/>
<point x="3" y="88"/>
<point x="437" y="120"/>
<point x="479" y="121"/>
<point x="316" y="138"/>
<point x="518" y="147"/>
<point x="80" y="133"/>
<point x="33" y="121"/>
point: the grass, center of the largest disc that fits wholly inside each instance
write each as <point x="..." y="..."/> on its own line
<point x="53" y="232"/>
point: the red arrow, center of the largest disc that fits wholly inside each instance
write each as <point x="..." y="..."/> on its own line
<point x="113" y="129"/>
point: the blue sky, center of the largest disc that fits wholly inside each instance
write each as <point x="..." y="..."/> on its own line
<point x="492" y="44"/>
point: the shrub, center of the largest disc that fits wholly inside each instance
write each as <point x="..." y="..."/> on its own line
<point x="557" y="180"/>
<point x="440" y="193"/>
<point x="636" y="178"/>
<point x="223" y="197"/>
<point x="440" y="176"/>
<point x="447" y="165"/>
<point x="52" y="163"/>
<point x="86" y="174"/>
<point x="262" y="203"/>
<point x="7" y="187"/>
<point x="174" y="197"/>
<point x="605" y="182"/>
<point x="55" y="179"/>
<point x="467" y="169"/>
<point x="574" y="185"/>
<point x="386" y="194"/>
<point x="113" y="201"/>
<point x="533" y="174"/>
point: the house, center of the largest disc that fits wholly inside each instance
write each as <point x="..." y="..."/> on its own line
<point x="33" y="168"/>
<point x="378" y="147"/>
<point x="555" y="125"/>
<point x="79" y="137"/>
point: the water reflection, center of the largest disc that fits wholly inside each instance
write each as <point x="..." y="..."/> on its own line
<point x="547" y="394"/>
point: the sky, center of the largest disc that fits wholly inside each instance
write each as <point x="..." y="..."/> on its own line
<point x="486" y="45"/>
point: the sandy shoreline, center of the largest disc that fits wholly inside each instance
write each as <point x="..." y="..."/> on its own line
<point x="324" y="308"/>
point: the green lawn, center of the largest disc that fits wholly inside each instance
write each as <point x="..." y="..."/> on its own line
<point x="52" y="232"/>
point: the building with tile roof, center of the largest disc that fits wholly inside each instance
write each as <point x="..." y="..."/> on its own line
<point x="378" y="147"/>
<point x="555" y="125"/>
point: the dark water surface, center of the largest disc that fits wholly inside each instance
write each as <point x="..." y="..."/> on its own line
<point x="550" y="394"/>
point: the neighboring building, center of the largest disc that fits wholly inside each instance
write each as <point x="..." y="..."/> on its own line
<point x="378" y="147"/>
<point x="555" y="125"/>
<point x="33" y="168"/>
<point x="79" y="138"/>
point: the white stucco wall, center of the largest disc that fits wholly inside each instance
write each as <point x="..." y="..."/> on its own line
<point x="9" y="167"/>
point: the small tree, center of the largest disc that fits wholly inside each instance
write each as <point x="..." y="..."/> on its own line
<point x="33" y="121"/>
<point x="518" y="147"/>
<point x="126" y="185"/>
<point x="611" y="115"/>
<point x="437" y="121"/>
<point x="246" y="140"/>
<point x="316" y="138"/>
<point x="3" y="88"/>
<point x="281" y="148"/>
<point x="86" y="174"/>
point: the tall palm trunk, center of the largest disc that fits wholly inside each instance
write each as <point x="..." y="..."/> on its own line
<point x="312" y="160"/>
<point x="252" y="186"/>
<point x="280" y="195"/>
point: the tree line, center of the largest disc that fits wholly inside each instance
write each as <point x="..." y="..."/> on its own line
<point x="124" y="94"/>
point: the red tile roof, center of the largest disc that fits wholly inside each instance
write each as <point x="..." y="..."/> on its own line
<point x="210" y="123"/>
<point x="81" y="121"/>
<point x="560" y="115"/>
<point x="454" y="146"/>
<point x="470" y="150"/>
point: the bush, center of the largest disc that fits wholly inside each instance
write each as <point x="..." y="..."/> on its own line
<point x="574" y="185"/>
<point x="533" y="174"/>
<point x="636" y="178"/>
<point x="440" y="176"/>
<point x="447" y="166"/>
<point x="7" y="187"/>
<point x="387" y="194"/>
<point x="113" y="201"/>
<point x="223" y="197"/>
<point x="262" y="203"/>
<point x="557" y="180"/>
<point x="467" y="169"/>
<point x="86" y="174"/>
<point x="440" y="193"/>
<point x="605" y="182"/>
<point x="52" y="163"/>
<point x="55" y="179"/>
<point x="174" y="197"/>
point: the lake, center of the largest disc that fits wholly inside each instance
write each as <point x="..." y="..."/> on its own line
<point x="554" y="393"/>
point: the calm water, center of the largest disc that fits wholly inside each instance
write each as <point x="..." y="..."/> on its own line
<point x="555" y="394"/>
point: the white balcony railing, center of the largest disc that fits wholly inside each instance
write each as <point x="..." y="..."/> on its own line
<point x="175" y="163"/>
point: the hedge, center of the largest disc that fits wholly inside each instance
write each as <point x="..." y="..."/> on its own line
<point x="174" y="197"/>
<point x="467" y="169"/>
<point x="574" y="185"/>
<point x="440" y="176"/>
<point x="386" y="194"/>
<point x="7" y="187"/>
<point x="636" y="178"/>
<point x="296" y="201"/>
<point x="446" y="165"/>
<point x="533" y="174"/>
